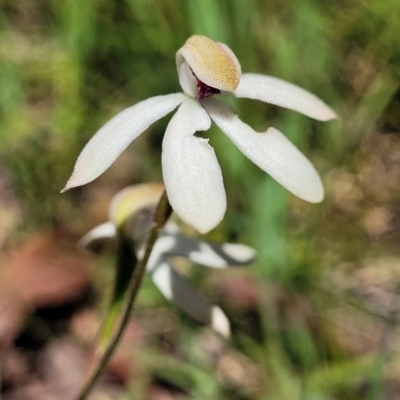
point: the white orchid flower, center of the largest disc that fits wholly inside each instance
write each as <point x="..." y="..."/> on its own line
<point x="192" y="175"/>
<point x="175" y="287"/>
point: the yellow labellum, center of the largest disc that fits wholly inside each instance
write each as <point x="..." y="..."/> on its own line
<point x="213" y="63"/>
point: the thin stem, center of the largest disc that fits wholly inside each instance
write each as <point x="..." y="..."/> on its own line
<point x="161" y="215"/>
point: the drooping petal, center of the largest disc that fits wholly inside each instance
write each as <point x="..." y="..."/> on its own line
<point x="115" y="136"/>
<point x="192" y="175"/>
<point x="214" y="255"/>
<point x="271" y="151"/>
<point x="178" y="290"/>
<point x="284" y="94"/>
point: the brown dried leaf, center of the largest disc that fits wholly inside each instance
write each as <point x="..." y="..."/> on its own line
<point x="42" y="272"/>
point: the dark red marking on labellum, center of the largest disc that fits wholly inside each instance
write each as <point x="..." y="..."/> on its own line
<point x="204" y="89"/>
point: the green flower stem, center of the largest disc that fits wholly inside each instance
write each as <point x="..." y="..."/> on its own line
<point x="163" y="211"/>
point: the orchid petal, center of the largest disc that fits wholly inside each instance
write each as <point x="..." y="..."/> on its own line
<point x="115" y="136"/>
<point x="105" y="231"/>
<point x="284" y="94"/>
<point x="192" y="175"/>
<point x="178" y="290"/>
<point x="162" y="247"/>
<point x="271" y="151"/>
<point x="214" y="255"/>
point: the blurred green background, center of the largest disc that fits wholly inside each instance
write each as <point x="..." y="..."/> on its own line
<point x="316" y="316"/>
